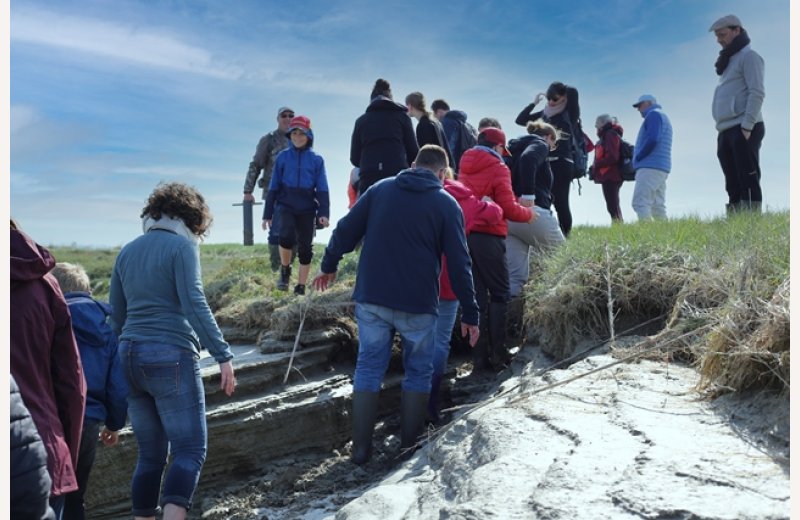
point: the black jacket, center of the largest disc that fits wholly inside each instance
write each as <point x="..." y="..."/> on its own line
<point x="383" y="142"/>
<point x="567" y="121"/>
<point x="531" y="174"/>
<point x="430" y="131"/>
<point x="30" y="482"/>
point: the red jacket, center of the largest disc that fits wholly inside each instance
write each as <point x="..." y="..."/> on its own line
<point x="476" y="213"/>
<point x="44" y="358"/>
<point x="485" y="174"/>
<point x="606" y="154"/>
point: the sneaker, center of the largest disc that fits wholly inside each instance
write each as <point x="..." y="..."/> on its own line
<point x="299" y="289"/>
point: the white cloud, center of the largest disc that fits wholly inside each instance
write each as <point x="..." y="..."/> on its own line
<point x="125" y="43"/>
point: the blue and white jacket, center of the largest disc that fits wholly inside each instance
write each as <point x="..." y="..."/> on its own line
<point x="653" y="147"/>
<point x="298" y="182"/>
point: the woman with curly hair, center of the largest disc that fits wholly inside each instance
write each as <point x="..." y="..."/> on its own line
<point x="162" y="318"/>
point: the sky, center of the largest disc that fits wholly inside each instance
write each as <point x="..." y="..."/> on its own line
<point x="108" y="98"/>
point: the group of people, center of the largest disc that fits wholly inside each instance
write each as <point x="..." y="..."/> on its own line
<point x="447" y="217"/>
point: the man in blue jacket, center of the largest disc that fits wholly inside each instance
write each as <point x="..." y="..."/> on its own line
<point x="652" y="159"/>
<point x="106" y="388"/>
<point x="407" y="222"/>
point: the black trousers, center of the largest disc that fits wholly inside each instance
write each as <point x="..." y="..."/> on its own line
<point x="739" y="159"/>
<point x="297" y="229"/>
<point x="562" y="182"/>
<point x="74" y="508"/>
<point x="489" y="269"/>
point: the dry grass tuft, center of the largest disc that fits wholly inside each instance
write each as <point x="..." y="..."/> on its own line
<point x="320" y="309"/>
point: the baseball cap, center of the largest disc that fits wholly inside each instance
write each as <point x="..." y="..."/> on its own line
<point x="729" y="20"/>
<point x="301" y="122"/>
<point x="281" y="110"/>
<point x="643" y="98"/>
<point x="495" y="136"/>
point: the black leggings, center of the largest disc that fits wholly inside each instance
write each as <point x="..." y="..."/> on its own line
<point x="562" y="181"/>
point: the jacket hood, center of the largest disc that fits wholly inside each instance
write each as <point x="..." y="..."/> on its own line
<point x="457" y="190"/>
<point x="29" y="260"/>
<point x="383" y="103"/>
<point x="309" y="134"/>
<point x="88" y="326"/>
<point x="517" y="145"/>
<point x="480" y="157"/>
<point x="418" y="179"/>
<point x="458" y="115"/>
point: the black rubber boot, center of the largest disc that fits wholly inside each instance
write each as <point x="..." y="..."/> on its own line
<point x="286" y="275"/>
<point x="274" y="257"/>
<point x="413" y="406"/>
<point x="365" y="409"/>
<point x="433" y="402"/>
<point x="498" y="355"/>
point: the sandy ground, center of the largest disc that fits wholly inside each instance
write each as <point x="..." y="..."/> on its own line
<point x="629" y="441"/>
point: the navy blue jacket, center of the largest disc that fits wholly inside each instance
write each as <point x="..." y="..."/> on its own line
<point x="383" y="142"/>
<point x="531" y="174"/>
<point x="407" y="223"/>
<point x="299" y="182"/>
<point x="106" y="386"/>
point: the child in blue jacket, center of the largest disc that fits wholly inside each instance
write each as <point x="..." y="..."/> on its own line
<point x="299" y="192"/>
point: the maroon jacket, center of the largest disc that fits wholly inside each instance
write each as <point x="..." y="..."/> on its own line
<point x="606" y="154"/>
<point x="485" y="174"/>
<point x="477" y="212"/>
<point x="44" y="358"/>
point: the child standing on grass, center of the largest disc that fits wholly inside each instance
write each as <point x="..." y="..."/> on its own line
<point x="298" y="191"/>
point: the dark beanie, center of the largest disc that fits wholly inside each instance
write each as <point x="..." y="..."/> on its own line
<point x="381" y="88"/>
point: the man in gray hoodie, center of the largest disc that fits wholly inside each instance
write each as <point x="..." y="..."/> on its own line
<point x="737" y="112"/>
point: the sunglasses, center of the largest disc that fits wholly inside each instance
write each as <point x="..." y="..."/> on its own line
<point x="287" y="115"/>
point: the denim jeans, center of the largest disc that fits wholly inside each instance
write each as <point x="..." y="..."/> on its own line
<point x="166" y="406"/>
<point x="448" y="309"/>
<point x="376" y="328"/>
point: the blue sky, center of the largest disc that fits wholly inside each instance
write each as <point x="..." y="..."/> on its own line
<point x="107" y="98"/>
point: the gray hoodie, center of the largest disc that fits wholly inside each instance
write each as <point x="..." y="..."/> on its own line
<point x="740" y="93"/>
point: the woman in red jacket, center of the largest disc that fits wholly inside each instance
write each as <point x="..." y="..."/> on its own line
<point x="483" y="171"/>
<point x="606" y="163"/>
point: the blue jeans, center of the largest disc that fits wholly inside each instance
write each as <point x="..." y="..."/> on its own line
<point x="166" y="406"/>
<point x="444" y="331"/>
<point x="376" y="328"/>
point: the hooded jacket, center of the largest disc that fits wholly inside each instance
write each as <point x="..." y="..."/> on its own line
<point x="476" y="212"/>
<point x="532" y="174"/>
<point x="485" y="174"/>
<point x="407" y="223"/>
<point x="606" y="154"/>
<point x="653" y="148"/>
<point x="299" y="182"/>
<point x="383" y="141"/>
<point x="44" y="358"/>
<point x="106" y="386"/>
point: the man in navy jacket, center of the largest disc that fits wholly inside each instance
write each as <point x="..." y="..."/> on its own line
<point x="407" y="222"/>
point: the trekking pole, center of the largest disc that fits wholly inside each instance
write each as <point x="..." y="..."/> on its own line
<point x="247" y="219"/>
<point x="297" y="339"/>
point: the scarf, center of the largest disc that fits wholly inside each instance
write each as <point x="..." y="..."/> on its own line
<point x="168" y="223"/>
<point x="725" y="54"/>
<point x="554" y="110"/>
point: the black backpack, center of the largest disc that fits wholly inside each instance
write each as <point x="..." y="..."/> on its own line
<point x="467" y="138"/>
<point x="626" y="160"/>
<point x="580" y="157"/>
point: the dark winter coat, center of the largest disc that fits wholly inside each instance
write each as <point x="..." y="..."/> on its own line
<point x="30" y="482"/>
<point x="531" y="174"/>
<point x="567" y="121"/>
<point x="430" y="131"/>
<point x="407" y="224"/>
<point x="484" y="172"/>
<point x="383" y="142"/>
<point x="606" y="154"/>
<point x="44" y="358"/>
<point x="106" y="386"/>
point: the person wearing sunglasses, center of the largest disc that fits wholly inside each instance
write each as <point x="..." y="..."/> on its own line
<point x="267" y="149"/>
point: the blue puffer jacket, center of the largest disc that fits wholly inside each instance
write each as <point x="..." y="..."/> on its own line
<point x="106" y="387"/>
<point x="299" y="182"/>
<point x="653" y="147"/>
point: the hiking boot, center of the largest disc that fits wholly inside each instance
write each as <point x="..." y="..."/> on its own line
<point x="286" y="274"/>
<point x="299" y="289"/>
<point x="365" y="409"/>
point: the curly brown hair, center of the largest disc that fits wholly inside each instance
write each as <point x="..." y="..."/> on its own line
<point x="179" y="200"/>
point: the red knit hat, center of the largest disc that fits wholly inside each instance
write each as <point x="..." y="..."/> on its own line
<point x="301" y="122"/>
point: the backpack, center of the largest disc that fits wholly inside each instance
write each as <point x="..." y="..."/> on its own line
<point x="467" y="138"/>
<point x="625" y="165"/>
<point x="580" y="157"/>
